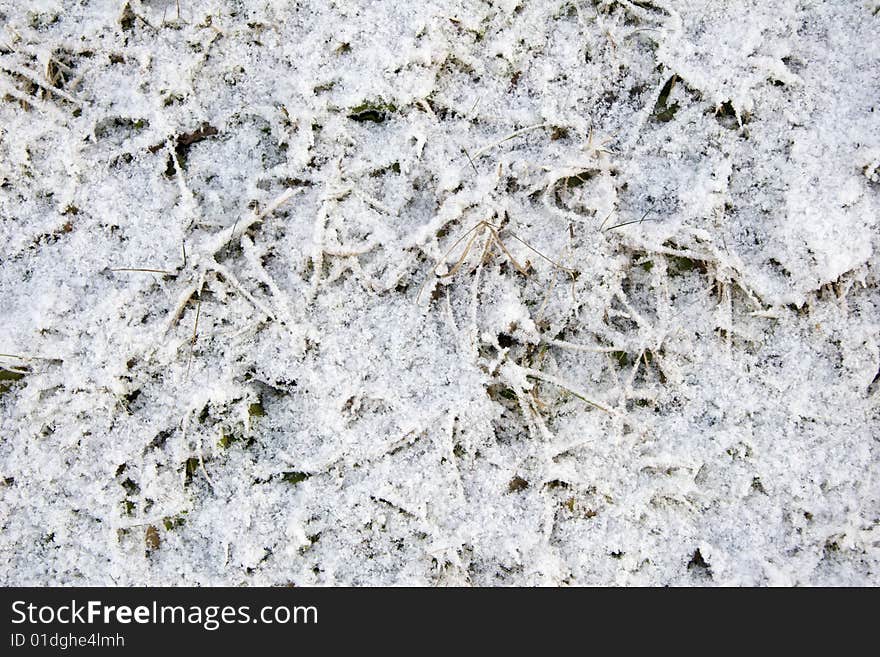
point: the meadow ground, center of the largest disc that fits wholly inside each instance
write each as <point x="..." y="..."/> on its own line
<point x="439" y="293"/>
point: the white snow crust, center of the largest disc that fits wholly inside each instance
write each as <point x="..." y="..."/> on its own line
<point x="515" y="292"/>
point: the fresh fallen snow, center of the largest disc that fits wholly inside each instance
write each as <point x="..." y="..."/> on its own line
<point x="340" y="384"/>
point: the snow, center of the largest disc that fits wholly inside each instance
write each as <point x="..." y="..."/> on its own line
<point x="334" y="373"/>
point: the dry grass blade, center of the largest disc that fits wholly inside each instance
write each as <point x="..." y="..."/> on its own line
<point x="195" y="335"/>
<point x="512" y="135"/>
<point x="536" y="374"/>
<point x="464" y="254"/>
<point x="497" y="240"/>
<point x="626" y="223"/>
<point x="492" y="239"/>
<point x="446" y="255"/>
<point x="550" y="260"/>
<point x="164" y="272"/>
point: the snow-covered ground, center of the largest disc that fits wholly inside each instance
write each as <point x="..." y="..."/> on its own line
<point x="491" y="293"/>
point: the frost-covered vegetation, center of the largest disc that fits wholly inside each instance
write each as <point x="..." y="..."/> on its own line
<point x="509" y="292"/>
